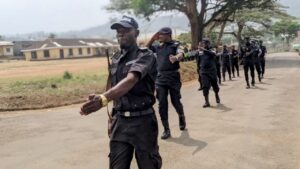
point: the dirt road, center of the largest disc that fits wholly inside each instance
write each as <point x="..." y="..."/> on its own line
<point x="257" y="128"/>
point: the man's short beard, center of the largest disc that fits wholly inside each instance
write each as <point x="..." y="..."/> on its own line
<point x="125" y="46"/>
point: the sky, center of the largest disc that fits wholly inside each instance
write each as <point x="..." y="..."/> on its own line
<point x="27" y="16"/>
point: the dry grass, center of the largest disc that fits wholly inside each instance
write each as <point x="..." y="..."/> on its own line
<point x="36" y="85"/>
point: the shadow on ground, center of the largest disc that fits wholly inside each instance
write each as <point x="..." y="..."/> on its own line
<point x="185" y="140"/>
<point x="222" y="107"/>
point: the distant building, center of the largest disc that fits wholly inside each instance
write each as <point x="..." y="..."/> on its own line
<point x="6" y="49"/>
<point x="68" y="48"/>
<point x="20" y="45"/>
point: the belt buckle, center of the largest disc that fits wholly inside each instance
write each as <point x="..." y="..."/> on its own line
<point x="127" y="114"/>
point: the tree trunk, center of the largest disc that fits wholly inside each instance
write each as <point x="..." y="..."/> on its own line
<point x="221" y="32"/>
<point x="192" y="15"/>
<point x="201" y="19"/>
<point x="239" y="34"/>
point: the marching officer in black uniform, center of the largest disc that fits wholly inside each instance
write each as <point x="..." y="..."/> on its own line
<point x="256" y="58"/>
<point x="226" y="65"/>
<point x="218" y="62"/>
<point x="235" y="61"/>
<point x="131" y="81"/>
<point x="168" y="78"/>
<point x="247" y="54"/>
<point x="208" y="70"/>
<point x="262" y="57"/>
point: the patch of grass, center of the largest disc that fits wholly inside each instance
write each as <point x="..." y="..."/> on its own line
<point x="65" y="89"/>
<point x="50" y="92"/>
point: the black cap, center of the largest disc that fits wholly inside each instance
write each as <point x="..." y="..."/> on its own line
<point x="206" y="40"/>
<point x="165" y="31"/>
<point x="125" y="22"/>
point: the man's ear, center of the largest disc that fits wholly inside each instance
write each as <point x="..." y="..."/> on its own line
<point x="137" y="33"/>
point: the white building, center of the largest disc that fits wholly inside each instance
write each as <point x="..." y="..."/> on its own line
<point x="6" y="48"/>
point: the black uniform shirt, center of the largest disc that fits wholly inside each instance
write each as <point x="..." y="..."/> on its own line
<point x="225" y="57"/>
<point x="234" y="56"/>
<point x="167" y="72"/>
<point x="142" y="62"/>
<point x="163" y="51"/>
<point x="249" y="52"/>
<point x="208" y="62"/>
<point x="263" y="52"/>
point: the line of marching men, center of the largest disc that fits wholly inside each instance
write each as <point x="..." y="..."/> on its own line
<point x="251" y="54"/>
<point x="214" y="63"/>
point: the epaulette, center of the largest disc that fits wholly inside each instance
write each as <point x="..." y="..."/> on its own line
<point x="116" y="55"/>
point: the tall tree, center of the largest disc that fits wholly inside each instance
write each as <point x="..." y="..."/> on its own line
<point x="287" y="29"/>
<point x="200" y="13"/>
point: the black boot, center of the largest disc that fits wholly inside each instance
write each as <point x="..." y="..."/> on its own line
<point x="200" y="88"/>
<point x="182" y="123"/>
<point x="248" y="85"/>
<point x="167" y="133"/>
<point x="253" y="83"/>
<point x="206" y="102"/>
<point x="259" y="78"/>
<point x="218" y="98"/>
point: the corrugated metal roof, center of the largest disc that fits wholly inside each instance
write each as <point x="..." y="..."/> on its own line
<point x="60" y="43"/>
<point x="6" y="43"/>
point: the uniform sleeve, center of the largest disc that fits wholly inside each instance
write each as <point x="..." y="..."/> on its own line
<point x="144" y="64"/>
<point x="179" y="48"/>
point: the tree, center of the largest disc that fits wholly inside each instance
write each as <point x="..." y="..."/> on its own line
<point x="185" y="37"/>
<point x="200" y="13"/>
<point x="287" y="29"/>
<point x="255" y="21"/>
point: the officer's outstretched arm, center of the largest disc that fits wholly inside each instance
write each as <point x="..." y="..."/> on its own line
<point x="97" y="102"/>
<point x="122" y="87"/>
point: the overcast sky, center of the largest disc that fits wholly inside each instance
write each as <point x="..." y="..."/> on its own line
<point x="26" y="16"/>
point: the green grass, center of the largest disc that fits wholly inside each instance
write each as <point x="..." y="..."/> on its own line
<point x="45" y="92"/>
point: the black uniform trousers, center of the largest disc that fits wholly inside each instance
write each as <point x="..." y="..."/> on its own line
<point x="226" y="67"/>
<point x="162" y="96"/>
<point x="257" y="67"/>
<point x="219" y="72"/>
<point x="199" y="79"/>
<point x="235" y="66"/>
<point x="263" y="65"/>
<point x="134" y="135"/>
<point x="209" y="80"/>
<point x="248" y="65"/>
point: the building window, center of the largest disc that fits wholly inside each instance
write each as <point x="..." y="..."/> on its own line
<point x="89" y="50"/>
<point x="8" y="50"/>
<point x="80" y="51"/>
<point x="33" y="55"/>
<point x="46" y="53"/>
<point x="70" y="52"/>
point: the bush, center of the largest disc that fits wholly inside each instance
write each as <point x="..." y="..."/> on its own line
<point x="67" y="75"/>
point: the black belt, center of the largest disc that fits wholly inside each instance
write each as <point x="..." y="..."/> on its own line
<point x="136" y="113"/>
